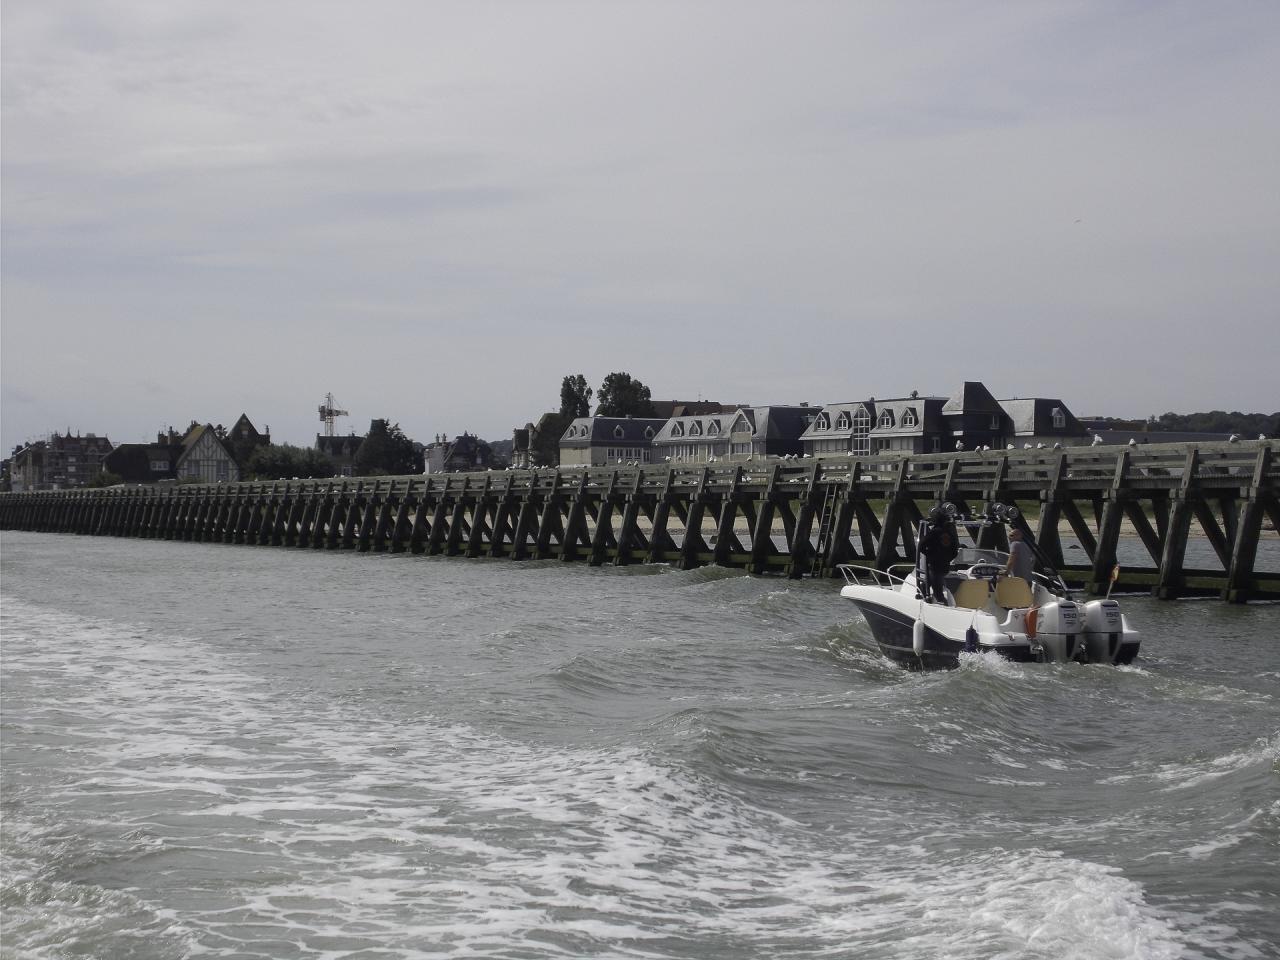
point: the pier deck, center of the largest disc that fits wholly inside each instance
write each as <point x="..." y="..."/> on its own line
<point x="791" y="517"/>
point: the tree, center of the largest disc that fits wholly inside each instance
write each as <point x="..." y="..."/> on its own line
<point x="104" y="478"/>
<point x="386" y="450"/>
<point x="622" y="396"/>
<point x="283" y="461"/>
<point x="575" y="397"/>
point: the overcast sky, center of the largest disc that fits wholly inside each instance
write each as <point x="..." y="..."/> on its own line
<point x="435" y="211"/>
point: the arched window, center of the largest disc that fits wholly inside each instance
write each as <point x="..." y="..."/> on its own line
<point x="713" y="428"/>
<point x="677" y="429"/>
<point x="648" y="433"/>
<point x="695" y="428"/>
<point x="618" y="432"/>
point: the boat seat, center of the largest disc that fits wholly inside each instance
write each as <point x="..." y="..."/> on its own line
<point x="971" y="594"/>
<point x="1013" y="592"/>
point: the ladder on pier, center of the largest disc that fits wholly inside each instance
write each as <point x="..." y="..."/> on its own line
<point x="826" y="521"/>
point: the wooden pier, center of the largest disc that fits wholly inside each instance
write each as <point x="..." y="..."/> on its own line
<point x="792" y="517"/>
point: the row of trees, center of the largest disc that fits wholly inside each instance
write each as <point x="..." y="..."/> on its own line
<point x="1218" y="421"/>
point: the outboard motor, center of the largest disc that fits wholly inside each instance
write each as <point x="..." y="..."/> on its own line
<point x="1103" y="631"/>
<point x="1059" y="626"/>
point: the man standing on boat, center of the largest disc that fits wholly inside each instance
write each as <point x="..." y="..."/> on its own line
<point x="939" y="547"/>
<point x="1021" y="560"/>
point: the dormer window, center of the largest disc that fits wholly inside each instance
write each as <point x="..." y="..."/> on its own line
<point x="886" y="419"/>
<point x="823" y="422"/>
<point x="843" y="423"/>
<point x="677" y="430"/>
<point x="695" y="428"/>
<point x="1059" y="419"/>
<point x="713" y="428"/>
<point x="648" y="433"/>
<point x="618" y="432"/>
<point x="909" y="418"/>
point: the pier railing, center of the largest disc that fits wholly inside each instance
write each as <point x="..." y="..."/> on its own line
<point x="797" y="517"/>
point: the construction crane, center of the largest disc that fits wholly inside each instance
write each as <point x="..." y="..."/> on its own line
<point x="328" y="411"/>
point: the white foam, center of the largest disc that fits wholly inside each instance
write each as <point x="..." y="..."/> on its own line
<point x="411" y="835"/>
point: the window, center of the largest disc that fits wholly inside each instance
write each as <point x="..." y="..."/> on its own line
<point x="714" y="428"/>
<point x="886" y="419"/>
<point x="160" y="466"/>
<point x="843" y="423"/>
<point x="909" y="418"/>
<point x="677" y="430"/>
<point x="823" y="422"/>
<point x="995" y="421"/>
<point x="648" y="433"/>
<point x="1059" y="419"/>
<point x="618" y="432"/>
<point x="695" y="428"/>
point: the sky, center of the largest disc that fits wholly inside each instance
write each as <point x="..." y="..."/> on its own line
<point x="435" y="211"/>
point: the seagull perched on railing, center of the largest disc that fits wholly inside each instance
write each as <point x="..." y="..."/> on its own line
<point x="1262" y="436"/>
<point x="1097" y="439"/>
<point x="1027" y="446"/>
<point x="1133" y="442"/>
<point x="1234" y="438"/>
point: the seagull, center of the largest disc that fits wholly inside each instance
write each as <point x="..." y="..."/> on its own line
<point x="959" y="444"/>
<point x="1027" y="446"/>
<point x="1097" y="439"/>
<point x="1133" y="442"/>
<point x="1057" y="446"/>
<point x="1039" y="446"/>
<point x="1262" y="436"/>
<point x="1234" y="438"/>
<point x="1009" y="446"/>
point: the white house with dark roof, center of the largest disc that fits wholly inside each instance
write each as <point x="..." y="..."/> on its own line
<point x="597" y="441"/>
<point x="912" y="424"/>
<point x="694" y="439"/>
<point x="840" y="430"/>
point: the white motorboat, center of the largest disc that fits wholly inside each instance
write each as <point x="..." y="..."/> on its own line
<point x="983" y="610"/>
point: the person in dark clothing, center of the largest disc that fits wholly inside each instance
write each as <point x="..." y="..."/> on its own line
<point x="939" y="547"/>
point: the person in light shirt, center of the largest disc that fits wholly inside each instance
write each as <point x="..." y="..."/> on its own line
<point x="1021" y="560"/>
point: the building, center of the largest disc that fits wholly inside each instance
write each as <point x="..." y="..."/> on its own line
<point x="692" y="439"/>
<point x="205" y="458"/>
<point x="462" y="454"/>
<point x="745" y="433"/>
<point x="596" y="441"/>
<point x="147" y="462"/>
<point x="913" y="424"/>
<point x="1042" y="420"/>
<point x="243" y="439"/>
<point x="60" y="462"/>
<point x="341" y="451"/>
<point x="841" y="430"/>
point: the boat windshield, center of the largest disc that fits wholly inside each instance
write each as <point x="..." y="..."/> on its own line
<point x="971" y="555"/>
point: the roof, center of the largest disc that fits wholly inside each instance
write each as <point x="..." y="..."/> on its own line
<point x="707" y="426"/>
<point x="1034" y="415"/>
<point x="783" y="422"/>
<point x="973" y="397"/>
<point x="927" y="413"/>
<point x="333" y="446"/>
<point x="666" y="409"/>
<point x="604" y="431"/>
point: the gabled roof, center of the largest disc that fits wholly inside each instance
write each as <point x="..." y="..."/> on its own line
<point x="681" y="429"/>
<point x="833" y="412"/>
<point x="973" y="397"/>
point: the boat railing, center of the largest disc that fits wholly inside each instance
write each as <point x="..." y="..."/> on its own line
<point x="856" y="575"/>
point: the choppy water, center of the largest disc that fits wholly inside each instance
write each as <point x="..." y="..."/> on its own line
<point x="254" y="752"/>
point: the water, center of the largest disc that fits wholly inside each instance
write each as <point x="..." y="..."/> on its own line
<point x="215" y="751"/>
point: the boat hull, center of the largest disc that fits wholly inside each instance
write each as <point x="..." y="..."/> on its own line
<point x="893" y="632"/>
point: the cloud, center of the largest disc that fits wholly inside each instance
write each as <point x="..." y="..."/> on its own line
<point x="812" y="200"/>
